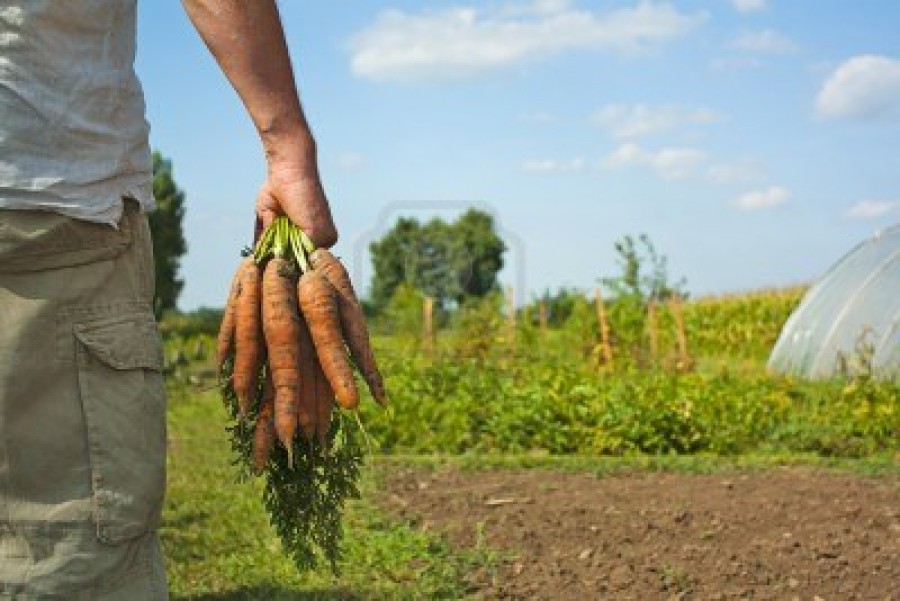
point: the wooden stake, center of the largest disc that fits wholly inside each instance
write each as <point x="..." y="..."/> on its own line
<point x="605" y="344"/>
<point x="428" y="326"/>
<point x="684" y="359"/>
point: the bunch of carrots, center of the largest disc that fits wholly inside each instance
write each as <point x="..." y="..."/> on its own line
<point x="292" y="330"/>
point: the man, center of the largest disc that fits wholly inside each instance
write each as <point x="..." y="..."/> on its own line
<point x="82" y="411"/>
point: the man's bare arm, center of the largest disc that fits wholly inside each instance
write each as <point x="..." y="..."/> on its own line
<point x="247" y="40"/>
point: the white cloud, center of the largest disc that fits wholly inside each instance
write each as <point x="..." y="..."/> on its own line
<point x="871" y="209"/>
<point x="736" y="172"/>
<point x="763" y="199"/>
<point x="865" y="86"/>
<point x="550" y="166"/>
<point x="749" y="6"/>
<point x="464" y="42"/>
<point x="634" y="121"/>
<point x="685" y="162"/>
<point x="668" y="163"/>
<point x="767" y="41"/>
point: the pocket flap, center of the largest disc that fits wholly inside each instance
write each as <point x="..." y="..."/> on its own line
<point x="122" y="395"/>
<point x="123" y="342"/>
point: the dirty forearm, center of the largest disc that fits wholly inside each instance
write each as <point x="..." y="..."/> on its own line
<point x="247" y="40"/>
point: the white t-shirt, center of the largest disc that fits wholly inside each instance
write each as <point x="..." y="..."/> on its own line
<point x="73" y="137"/>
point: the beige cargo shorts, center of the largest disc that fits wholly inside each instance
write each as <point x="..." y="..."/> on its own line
<point x="82" y="411"/>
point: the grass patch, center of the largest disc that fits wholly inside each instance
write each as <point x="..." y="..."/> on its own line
<point x="219" y="545"/>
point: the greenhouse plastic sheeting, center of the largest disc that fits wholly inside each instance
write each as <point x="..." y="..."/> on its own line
<point x="849" y="321"/>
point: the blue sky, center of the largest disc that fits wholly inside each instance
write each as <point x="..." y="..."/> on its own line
<point x="754" y="141"/>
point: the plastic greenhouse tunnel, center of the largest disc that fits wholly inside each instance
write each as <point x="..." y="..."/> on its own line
<point x="848" y="323"/>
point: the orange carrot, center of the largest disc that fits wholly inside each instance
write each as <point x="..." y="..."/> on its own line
<point x="319" y="306"/>
<point x="225" y="339"/>
<point x="306" y="414"/>
<point x="281" y="325"/>
<point x="248" y="341"/>
<point x="324" y="401"/>
<point x="264" y="433"/>
<point x="353" y="321"/>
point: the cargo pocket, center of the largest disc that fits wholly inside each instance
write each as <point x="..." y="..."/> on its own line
<point x="122" y="395"/>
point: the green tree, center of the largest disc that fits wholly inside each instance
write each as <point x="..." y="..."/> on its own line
<point x="447" y="261"/>
<point x="479" y="253"/>
<point x="168" y="238"/>
<point x="437" y="261"/>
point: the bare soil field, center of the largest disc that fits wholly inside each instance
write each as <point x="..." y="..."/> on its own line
<point x="792" y="533"/>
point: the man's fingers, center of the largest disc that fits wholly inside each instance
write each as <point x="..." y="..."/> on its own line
<point x="267" y="207"/>
<point x="304" y="203"/>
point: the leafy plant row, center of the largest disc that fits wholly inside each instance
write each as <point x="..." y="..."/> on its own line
<point x="473" y="406"/>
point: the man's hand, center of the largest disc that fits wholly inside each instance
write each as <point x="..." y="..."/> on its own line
<point x="247" y="40"/>
<point x="300" y="196"/>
